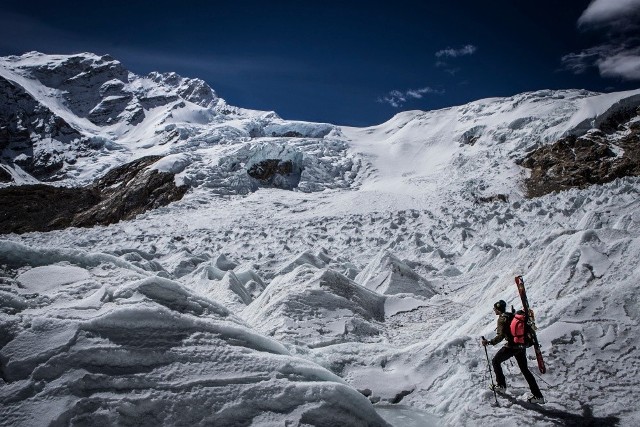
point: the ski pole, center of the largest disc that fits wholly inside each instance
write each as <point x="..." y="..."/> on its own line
<point x="493" y="386"/>
<point x="541" y="379"/>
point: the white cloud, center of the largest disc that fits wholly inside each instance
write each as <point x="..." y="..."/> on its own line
<point x="418" y="93"/>
<point x="396" y="98"/>
<point x="454" y="53"/>
<point x="609" y="11"/>
<point x="625" y="65"/>
<point x="618" y="56"/>
<point x="612" y="61"/>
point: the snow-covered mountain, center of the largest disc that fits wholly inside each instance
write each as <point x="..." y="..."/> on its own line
<point x="308" y="261"/>
<point x="69" y="118"/>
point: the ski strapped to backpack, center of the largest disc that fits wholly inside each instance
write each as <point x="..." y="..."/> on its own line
<point x="526" y="329"/>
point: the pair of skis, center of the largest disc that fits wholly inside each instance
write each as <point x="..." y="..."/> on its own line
<point x="529" y="320"/>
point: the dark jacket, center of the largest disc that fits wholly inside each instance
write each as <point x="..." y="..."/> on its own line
<point x="503" y="330"/>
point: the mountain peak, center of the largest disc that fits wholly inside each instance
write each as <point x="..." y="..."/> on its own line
<point x="191" y="89"/>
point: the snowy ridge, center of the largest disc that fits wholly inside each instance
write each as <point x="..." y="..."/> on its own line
<point x="425" y="151"/>
<point x="342" y="310"/>
<point x="377" y="272"/>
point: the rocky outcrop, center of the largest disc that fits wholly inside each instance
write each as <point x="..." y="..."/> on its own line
<point x="86" y="80"/>
<point x="275" y="172"/>
<point x="42" y="207"/>
<point x="597" y="157"/>
<point x="32" y="136"/>
<point x="504" y="198"/>
<point x="5" y="176"/>
<point x="192" y="90"/>
<point x="121" y="194"/>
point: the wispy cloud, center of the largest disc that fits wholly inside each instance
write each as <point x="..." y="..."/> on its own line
<point x="447" y="68"/>
<point x="454" y="53"/>
<point x="618" y="56"/>
<point x="610" y="60"/>
<point x="397" y="98"/>
<point x="625" y="65"/>
<point x="607" y="12"/>
<point x="580" y="62"/>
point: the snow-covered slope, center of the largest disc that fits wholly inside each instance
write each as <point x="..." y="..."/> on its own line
<point x="248" y="303"/>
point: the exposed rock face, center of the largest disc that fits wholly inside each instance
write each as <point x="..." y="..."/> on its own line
<point x="275" y="172"/>
<point x="102" y="90"/>
<point x="274" y="165"/>
<point x="42" y="207"/>
<point x="129" y="190"/>
<point x="580" y="162"/>
<point x="193" y="90"/>
<point x="504" y="198"/>
<point x="49" y="102"/>
<point x="31" y="135"/>
<point x="93" y="85"/>
<point x="472" y="135"/>
<point x="5" y="176"/>
<point x="597" y="157"/>
<point x="121" y="194"/>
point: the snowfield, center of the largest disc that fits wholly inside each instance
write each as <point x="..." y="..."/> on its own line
<point x="353" y="292"/>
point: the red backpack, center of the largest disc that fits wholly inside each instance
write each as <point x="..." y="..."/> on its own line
<point x="520" y="329"/>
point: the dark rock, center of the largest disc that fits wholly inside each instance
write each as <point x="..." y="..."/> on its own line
<point x="121" y="194"/>
<point x="108" y="110"/>
<point x="276" y="173"/>
<point x="398" y="397"/>
<point x="493" y="198"/>
<point x="193" y="90"/>
<point x="265" y="170"/>
<point x="619" y="114"/>
<point x="472" y="135"/>
<point x="28" y="127"/>
<point x="4" y="175"/>
<point x="288" y="134"/>
<point x="577" y="162"/>
<point x="41" y="207"/>
<point x="366" y="392"/>
<point x="82" y="77"/>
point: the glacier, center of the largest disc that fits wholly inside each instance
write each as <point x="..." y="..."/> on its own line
<point x="355" y="294"/>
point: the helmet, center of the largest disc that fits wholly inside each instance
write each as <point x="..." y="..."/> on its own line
<point x="501" y="306"/>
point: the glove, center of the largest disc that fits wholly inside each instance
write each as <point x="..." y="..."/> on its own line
<point x="485" y="342"/>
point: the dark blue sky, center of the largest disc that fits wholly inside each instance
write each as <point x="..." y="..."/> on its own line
<point x="339" y="61"/>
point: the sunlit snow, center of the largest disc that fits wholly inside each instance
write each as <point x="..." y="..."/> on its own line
<point x="246" y="305"/>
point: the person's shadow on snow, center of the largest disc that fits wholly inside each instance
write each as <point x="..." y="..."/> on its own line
<point x="567" y="418"/>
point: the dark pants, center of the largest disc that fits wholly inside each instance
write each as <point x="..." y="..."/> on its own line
<point x="520" y="354"/>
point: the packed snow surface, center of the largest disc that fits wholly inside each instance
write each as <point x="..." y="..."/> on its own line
<point x="376" y="276"/>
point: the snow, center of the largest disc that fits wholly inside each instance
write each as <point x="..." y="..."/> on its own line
<point x="51" y="277"/>
<point x="174" y="164"/>
<point x="397" y="304"/>
<point x="401" y="415"/>
<point x="18" y="175"/>
<point x="248" y="305"/>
